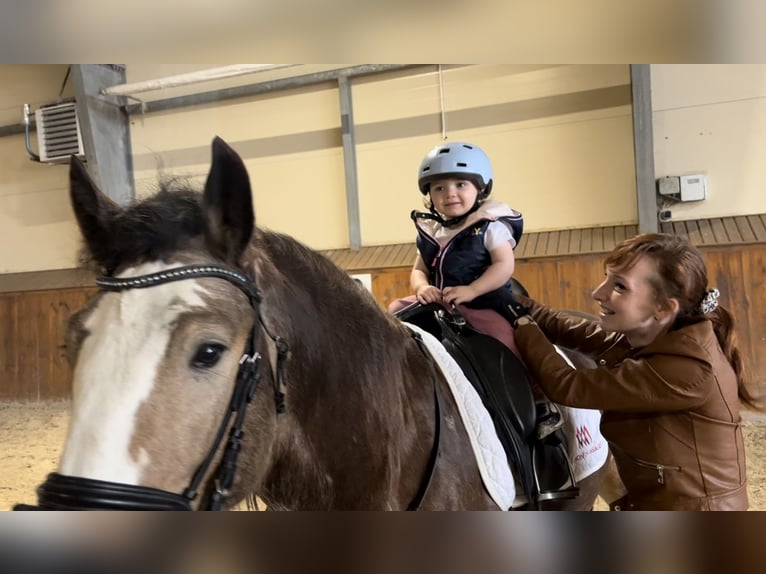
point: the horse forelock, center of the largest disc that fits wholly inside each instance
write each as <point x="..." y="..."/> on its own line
<point x="152" y="229"/>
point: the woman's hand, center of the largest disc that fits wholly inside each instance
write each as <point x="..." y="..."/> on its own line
<point x="428" y="294"/>
<point x="459" y="294"/>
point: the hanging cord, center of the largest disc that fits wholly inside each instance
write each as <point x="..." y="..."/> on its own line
<point x="66" y="78"/>
<point x="442" y="104"/>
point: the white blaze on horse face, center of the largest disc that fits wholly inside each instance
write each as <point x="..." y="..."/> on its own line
<point x="116" y="370"/>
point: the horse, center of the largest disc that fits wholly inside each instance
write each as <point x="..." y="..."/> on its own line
<point x="221" y="360"/>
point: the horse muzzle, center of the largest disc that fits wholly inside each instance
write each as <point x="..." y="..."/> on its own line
<point x="60" y="492"/>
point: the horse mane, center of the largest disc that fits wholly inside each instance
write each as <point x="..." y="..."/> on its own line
<point x="167" y="221"/>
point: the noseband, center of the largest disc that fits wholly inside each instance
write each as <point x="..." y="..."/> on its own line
<point x="60" y="492"/>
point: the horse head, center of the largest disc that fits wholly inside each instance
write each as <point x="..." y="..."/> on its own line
<point x="155" y="353"/>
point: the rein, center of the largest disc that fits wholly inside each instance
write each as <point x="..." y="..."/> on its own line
<point x="67" y="492"/>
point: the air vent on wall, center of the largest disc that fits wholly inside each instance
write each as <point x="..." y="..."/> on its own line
<point x="58" y="132"/>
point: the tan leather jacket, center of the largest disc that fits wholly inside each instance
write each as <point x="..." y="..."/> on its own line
<point x="670" y="409"/>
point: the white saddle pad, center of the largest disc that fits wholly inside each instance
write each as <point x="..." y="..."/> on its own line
<point x="587" y="447"/>
<point x="490" y="455"/>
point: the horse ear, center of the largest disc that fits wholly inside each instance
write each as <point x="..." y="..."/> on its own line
<point x="94" y="210"/>
<point x="228" y="204"/>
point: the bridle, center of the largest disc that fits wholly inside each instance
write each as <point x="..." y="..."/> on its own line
<point x="60" y="492"/>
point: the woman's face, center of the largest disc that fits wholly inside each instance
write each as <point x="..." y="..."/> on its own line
<point x="628" y="303"/>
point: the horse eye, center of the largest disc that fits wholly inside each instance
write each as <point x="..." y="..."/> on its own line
<point x="207" y="355"/>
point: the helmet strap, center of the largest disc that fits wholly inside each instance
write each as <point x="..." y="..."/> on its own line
<point x="436" y="216"/>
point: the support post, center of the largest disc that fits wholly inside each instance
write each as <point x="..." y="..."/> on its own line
<point x="105" y="129"/>
<point x="643" y="147"/>
<point x="349" y="163"/>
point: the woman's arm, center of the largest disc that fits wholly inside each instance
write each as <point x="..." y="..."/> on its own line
<point x="657" y="382"/>
<point x="567" y="330"/>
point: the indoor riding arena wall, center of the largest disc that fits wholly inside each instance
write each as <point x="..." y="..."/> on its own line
<point x="33" y="364"/>
<point x="34" y="405"/>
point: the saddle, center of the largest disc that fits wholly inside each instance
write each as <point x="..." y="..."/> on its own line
<point x="538" y="459"/>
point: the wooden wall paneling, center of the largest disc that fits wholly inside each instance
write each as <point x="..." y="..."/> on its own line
<point x="754" y="276"/>
<point x="525" y="274"/>
<point x="608" y="238"/>
<point x="619" y="234"/>
<point x="719" y="232"/>
<point x="32" y="324"/>
<point x="693" y="229"/>
<point x="603" y="238"/>
<point x="745" y="231"/>
<point x="706" y="232"/>
<point x="529" y="243"/>
<point x="390" y="284"/>
<point x="725" y="271"/>
<point x="553" y="243"/>
<point x="28" y="377"/>
<point x="47" y="344"/>
<point x="732" y="230"/>
<point x="563" y="246"/>
<point x="759" y="229"/>
<point x="574" y="240"/>
<point x="529" y="273"/>
<point x="589" y="272"/>
<point x="9" y="363"/>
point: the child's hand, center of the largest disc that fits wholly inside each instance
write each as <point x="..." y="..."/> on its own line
<point x="428" y="294"/>
<point x="459" y="294"/>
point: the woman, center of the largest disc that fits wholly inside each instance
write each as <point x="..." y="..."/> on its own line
<point x="670" y="379"/>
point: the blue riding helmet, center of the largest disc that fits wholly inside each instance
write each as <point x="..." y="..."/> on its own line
<point x="456" y="159"/>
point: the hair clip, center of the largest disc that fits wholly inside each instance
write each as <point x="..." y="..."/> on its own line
<point x="709" y="302"/>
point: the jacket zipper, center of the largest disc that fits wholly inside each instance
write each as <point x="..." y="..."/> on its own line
<point x="660" y="468"/>
<point x="439" y="257"/>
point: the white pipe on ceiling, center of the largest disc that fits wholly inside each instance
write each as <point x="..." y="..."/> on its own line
<point x="190" y="78"/>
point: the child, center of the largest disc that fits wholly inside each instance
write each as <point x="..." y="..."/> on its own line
<point x="466" y="241"/>
<point x="465" y="251"/>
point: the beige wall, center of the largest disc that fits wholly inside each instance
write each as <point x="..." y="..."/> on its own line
<point x="297" y="192"/>
<point x="560" y="138"/>
<point x="544" y="153"/>
<point x="560" y="164"/>
<point x="711" y="119"/>
<point x="36" y="223"/>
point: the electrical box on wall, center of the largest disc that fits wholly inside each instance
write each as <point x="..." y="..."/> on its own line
<point x="669" y="186"/>
<point x="693" y="187"/>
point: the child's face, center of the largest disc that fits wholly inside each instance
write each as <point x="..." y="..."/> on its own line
<point x="453" y="197"/>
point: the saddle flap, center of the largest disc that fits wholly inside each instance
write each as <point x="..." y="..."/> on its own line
<point x="500" y="377"/>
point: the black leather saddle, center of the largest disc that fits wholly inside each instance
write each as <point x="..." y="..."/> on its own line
<point x="541" y="466"/>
